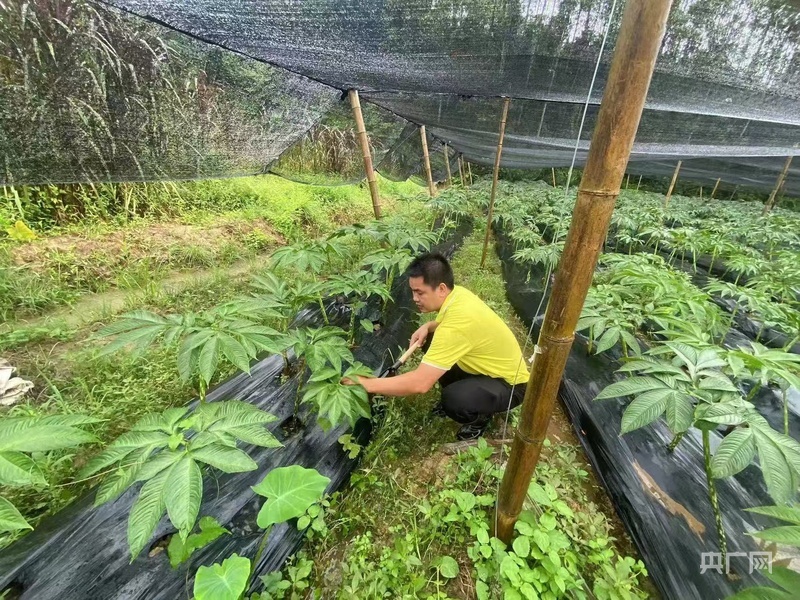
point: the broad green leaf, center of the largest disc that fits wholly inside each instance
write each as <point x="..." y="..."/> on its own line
<point x="163" y="421"/>
<point x="448" y="567"/>
<point x="256" y="435"/>
<point x="645" y="409"/>
<point x="735" y="453"/>
<point x="115" y="483"/>
<point x="786" y="578"/>
<point x="183" y="493"/>
<point x="775" y="469"/>
<point x="761" y="593"/>
<point x="23" y="435"/>
<point x="235" y="352"/>
<point x="522" y="546"/>
<point x="679" y="412"/>
<point x="17" y="469"/>
<point x="785" y="534"/>
<point x="161" y="461"/>
<point x="208" y="359"/>
<point x="222" y="582"/>
<point x="146" y="513"/>
<point x="784" y="513"/>
<point x="630" y="387"/>
<point x="686" y="353"/>
<point x="289" y="492"/>
<point x="225" y="458"/>
<point x="10" y="517"/>
<point x="607" y="340"/>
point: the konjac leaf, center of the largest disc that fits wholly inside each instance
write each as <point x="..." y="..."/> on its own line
<point x="734" y="454"/>
<point x="183" y="493"/>
<point x="776" y="471"/>
<point x="146" y="513"/>
<point x="17" y="469"/>
<point x="225" y="458"/>
<point x="290" y="491"/>
<point x="10" y="517"/>
<point x="645" y="409"/>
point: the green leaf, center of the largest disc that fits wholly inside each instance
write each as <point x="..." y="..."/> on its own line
<point x="10" y="517"/>
<point x="17" y="469"/>
<point x="235" y="352"/>
<point x="679" y="412"/>
<point x="222" y="582"/>
<point x="522" y="546"/>
<point x="180" y="551"/>
<point x="608" y="339"/>
<point x="146" y="513"/>
<point x="115" y="483"/>
<point x="645" y="409"/>
<point x="734" y="454"/>
<point x="541" y="539"/>
<point x="776" y="471"/>
<point x="784" y="513"/>
<point x="448" y="567"/>
<point x="256" y="435"/>
<point x="208" y="359"/>
<point x="289" y="492"/>
<point x="367" y="325"/>
<point x="785" y="534"/>
<point x="183" y="493"/>
<point x="225" y="458"/>
<point x="630" y="387"/>
<point x="786" y="578"/>
<point x="25" y="434"/>
<point x="761" y="593"/>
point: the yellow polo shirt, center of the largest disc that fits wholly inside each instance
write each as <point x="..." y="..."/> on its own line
<point x="472" y="336"/>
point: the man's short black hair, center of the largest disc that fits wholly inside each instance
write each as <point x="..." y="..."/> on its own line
<point x="433" y="268"/>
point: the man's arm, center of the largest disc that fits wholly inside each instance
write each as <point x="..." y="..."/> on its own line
<point x="418" y="381"/>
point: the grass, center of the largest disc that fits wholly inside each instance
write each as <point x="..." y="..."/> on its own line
<point x="210" y="223"/>
<point x="381" y="518"/>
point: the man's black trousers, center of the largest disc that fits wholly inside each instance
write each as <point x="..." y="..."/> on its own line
<point x="473" y="399"/>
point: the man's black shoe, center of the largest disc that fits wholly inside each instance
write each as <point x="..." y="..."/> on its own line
<point x="473" y="431"/>
<point x="438" y="410"/>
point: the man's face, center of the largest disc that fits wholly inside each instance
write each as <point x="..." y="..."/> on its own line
<point x="427" y="298"/>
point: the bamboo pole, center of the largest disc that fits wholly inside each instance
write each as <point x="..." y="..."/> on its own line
<point x="716" y="185"/>
<point x="447" y="165"/>
<point x="461" y="170"/>
<point x="553" y="171"/>
<point x="640" y="34"/>
<point x="638" y="183"/>
<point x="363" y="141"/>
<point x="495" y="175"/>
<point x="672" y="184"/>
<point x="778" y="185"/>
<point x="733" y="193"/>
<point x="469" y="172"/>
<point x="427" y="159"/>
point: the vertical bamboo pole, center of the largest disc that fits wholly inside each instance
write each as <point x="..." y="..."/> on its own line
<point x="638" y="183"/>
<point x="778" y="185"/>
<point x="469" y="172"/>
<point x="461" y="170"/>
<point x="627" y="181"/>
<point x="495" y="175"/>
<point x="553" y="172"/>
<point x="363" y="141"/>
<point x="640" y="35"/>
<point x="733" y="193"/>
<point x="672" y="184"/>
<point x="716" y="185"/>
<point x="427" y="159"/>
<point x="701" y="192"/>
<point x="447" y="165"/>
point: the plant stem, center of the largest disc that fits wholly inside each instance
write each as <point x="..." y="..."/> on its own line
<point x="712" y="496"/>
<point x="752" y="392"/>
<point x="675" y="441"/>
<point x="785" y="412"/>
<point x="257" y="557"/>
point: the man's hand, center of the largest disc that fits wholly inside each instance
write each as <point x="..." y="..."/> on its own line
<point x="421" y="334"/>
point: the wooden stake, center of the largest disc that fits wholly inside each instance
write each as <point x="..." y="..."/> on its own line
<point x="447" y="164"/>
<point x="701" y="192"/>
<point x="461" y="170"/>
<point x="627" y="181"/>
<point x="553" y="171"/>
<point x="638" y="183"/>
<point x="640" y="34"/>
<point x="733" y="193"/>
<point x="716" y="185"/>
<point x="672" y="184"/>
<point x="363" y="141"/>
<point x="778" y="185"/>
<point x="469" y="172"/>
<point x="495" y="175"/>
<point x="429" y="175"/>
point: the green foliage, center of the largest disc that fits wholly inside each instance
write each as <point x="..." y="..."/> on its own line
<point x="289" y="491"/>
<point x="165" y="452"/>
<point x="320" y="347"/>
<point x="334" y="401"/>
<point x="180" y="550"/>
<point x="227" y="581"/>
<point x="21" y="437"/>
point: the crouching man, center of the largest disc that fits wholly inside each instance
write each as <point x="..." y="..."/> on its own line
<point x="471" y="352"/>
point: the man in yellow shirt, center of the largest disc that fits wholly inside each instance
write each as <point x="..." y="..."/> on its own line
<point x="472" y="354"/>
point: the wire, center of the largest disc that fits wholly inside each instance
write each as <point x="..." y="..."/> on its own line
<point x="555" y="240"/>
